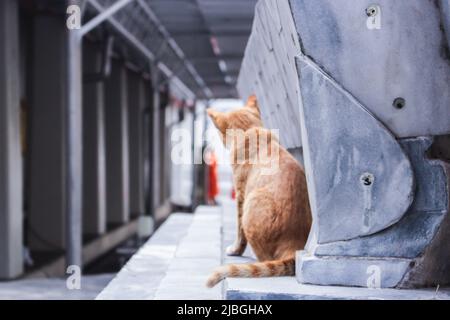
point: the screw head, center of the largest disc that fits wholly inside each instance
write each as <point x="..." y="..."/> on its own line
<point x="399" y="103"/>
<point x="372" y="11"/>
<point x="367" y="179"/>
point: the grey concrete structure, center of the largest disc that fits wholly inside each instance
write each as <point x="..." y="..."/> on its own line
<point x="287" y="288"/>
<point x="334" y="43"/>
<point x="362" y="74"/>
<point x="94" y="151"/>
<point x="136" y="105"/>
<point x="11" y="204"/>
<point x="445" y="16"/>
<point x="400" y="43"/>
<point x="409" y="237"/>
<point x="298" y="154"/>
<point x="47" y="206"/>
<point x="117" y="146"/>
<point x="156" y="144"/>
<point x="352" y="272"/>
<point x="356" y="181"/>
<point x="269" y="62"/>
<point x="73" y="164"/>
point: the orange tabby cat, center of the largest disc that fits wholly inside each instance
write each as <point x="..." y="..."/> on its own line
<point x="273" y="209"/>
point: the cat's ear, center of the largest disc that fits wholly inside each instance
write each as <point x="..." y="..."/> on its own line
<point x="252" y="103"/>
<point x="219" y="119"/>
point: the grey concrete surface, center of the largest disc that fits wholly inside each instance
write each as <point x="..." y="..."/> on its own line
<point x="288" y="289"/>
<point x="268" y="69"/>
<point x="409" y="237"/>
<point x="402" y="58"/>
<point x="197" y="255"/>
<point x="136" y="104"/>
<point x="47" y="188"/>
<point x="11" y="202"/>
<point x="94" y="148"/>
<point x="53" y="289"/>
<point x="117" y="146"/>
<point x="337" y="170"/>
<point x="142" y="275"/>
<point x="352" y="272"/>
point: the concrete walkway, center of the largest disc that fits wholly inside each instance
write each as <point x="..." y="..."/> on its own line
<point x="53" y="289"/>
<point x="176" y="262"/>
<point x="141" y="276"/>
<point x="197" y="255"/>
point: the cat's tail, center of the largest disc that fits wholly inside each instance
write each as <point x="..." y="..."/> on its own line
<point x="277" y="268"/>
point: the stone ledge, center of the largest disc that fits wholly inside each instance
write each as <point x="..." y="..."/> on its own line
<point x="287" y="288"/>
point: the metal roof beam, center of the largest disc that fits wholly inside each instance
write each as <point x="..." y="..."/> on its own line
<point x="173" y="44"/>
<point x="204" y="33"/>
<point x="102" y="16"/>
<point x="143" y="50"/>
<point x="200" y="59"/>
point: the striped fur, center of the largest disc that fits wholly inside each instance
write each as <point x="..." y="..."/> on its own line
<point x="277" y="268"/>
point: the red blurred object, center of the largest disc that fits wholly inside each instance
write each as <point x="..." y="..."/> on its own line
<point x="213" y="187"/>
<point x="233" y="194"/>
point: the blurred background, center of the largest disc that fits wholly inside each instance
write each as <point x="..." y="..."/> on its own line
<point x="89" y="99"/>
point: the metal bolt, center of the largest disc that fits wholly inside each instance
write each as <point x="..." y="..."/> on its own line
<point x="367" y="179"/>
<point x="372" y="11"/>
<point x="399" y="103"/>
